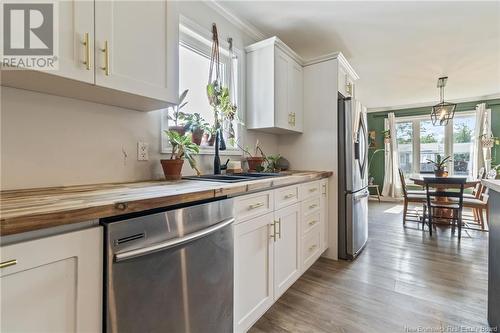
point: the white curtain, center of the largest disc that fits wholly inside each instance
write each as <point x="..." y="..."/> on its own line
<point x="477" y="150"/>
<point x="392" y="183"/>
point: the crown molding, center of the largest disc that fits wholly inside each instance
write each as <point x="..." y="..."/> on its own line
<point x="278" y="42"/>
<point x="241" y="24"/>
<point x="335" y="55"/>
<point x="429" y="104"/>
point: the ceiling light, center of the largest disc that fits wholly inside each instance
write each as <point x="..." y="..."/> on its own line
<point x="443" y="111"/>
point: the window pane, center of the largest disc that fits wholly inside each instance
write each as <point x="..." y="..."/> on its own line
<point x="431" y="144"/>
<point x="193" y="75"/>
<point x="404" y="136"/>
<point x="463" y="132"/>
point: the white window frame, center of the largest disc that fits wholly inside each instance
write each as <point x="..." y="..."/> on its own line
<point x="198" y="39"/>
<point x="448" y="136"/>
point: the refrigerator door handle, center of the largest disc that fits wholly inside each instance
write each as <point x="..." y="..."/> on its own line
<point x="361" y="195"/>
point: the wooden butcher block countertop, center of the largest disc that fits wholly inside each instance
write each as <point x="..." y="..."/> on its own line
<point x="32" y="209"/>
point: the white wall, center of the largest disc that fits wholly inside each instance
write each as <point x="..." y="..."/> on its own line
<point x="54" y="141"/>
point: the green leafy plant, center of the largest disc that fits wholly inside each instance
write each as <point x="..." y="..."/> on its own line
<point x="175" y="114"/>
<point x="439" y="163"/>
<point x="194" y="122"/>
<point x="183" y="148"/>
<point x="220" y="100"/>
<point x="272" y="162"/>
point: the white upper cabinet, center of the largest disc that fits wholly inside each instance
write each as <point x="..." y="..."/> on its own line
<point x="122" y="53"/>
<point x="76" y="41"/>
<point x="133" y="48"/>
<point x="274" y="87"/>
<point x="346" y="77"/>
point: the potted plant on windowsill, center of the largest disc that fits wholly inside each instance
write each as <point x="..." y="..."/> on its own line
<point x="183" y="148"/>
<point x="195" y="124"/>
<point x="175" y="114"/>
<point x="440" y="165"/>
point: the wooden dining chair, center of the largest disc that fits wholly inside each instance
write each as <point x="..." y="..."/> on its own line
<point x="441" y="194"/>
<point x="479" y="203"/>
<point x="410" y="196"/>
<point x="477" y="191"/>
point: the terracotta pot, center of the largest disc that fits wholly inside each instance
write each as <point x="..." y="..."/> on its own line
<point x="179" y="129"/>
<point x="254" y="163"/>
<point x="440" y="173"/>
<point x="172" y="168"/>
<point x="197" y="136"/>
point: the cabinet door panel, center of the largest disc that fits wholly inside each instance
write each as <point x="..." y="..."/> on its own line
<point x="140" y="55"/>
<point x="253" y="271"/>
<point x="287" y="249"/>
<point x="76" y="18"/>
<point x="295" y="95"/>
<point x="56" y="284"/>
<point x="281" y="112"/>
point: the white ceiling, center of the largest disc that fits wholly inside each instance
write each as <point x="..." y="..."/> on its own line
<point x="399" y="49"/>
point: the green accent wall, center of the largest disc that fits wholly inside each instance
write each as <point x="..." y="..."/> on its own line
<point x="376" y="123"/>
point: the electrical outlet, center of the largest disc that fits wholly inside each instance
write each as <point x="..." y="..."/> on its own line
<point x="142" y="151"/>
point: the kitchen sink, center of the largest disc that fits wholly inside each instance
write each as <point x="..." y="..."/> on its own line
<point x="240" y="177"/>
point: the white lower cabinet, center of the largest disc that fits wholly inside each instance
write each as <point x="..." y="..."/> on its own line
<point x="53" y="284"/>
<point x="272" y="250"/>
<point x="253" y="270"/>
<point x="286" y="248"/>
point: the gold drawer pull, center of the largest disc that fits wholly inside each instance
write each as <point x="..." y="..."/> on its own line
<point x="313" y="222"/>
<point x="288" y="196"/>
<point x="86" y="42"/>
<point x="106" y="58"/>
<point x="256" y="205"/>
<point x="313" y="189"/>
<point x="311" y="248"/>
<point x="279" y="228"/>
<point x="313" y="206"/>
<point x="8" y="263"/>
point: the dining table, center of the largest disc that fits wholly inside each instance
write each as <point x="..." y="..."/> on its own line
<point x="444" y="215"/>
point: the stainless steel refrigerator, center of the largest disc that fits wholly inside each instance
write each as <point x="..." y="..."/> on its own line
<point x="353" y="179"/>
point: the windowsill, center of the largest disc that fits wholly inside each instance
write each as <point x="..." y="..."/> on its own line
<point x="211" y="151"/>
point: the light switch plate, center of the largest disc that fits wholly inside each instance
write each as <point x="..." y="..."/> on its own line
<point x="142" y="151"/>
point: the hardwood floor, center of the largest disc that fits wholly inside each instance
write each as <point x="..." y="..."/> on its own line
<point x="402" y="282"/>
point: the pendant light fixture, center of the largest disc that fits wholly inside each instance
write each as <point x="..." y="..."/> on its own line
<point x="443" y="111"/>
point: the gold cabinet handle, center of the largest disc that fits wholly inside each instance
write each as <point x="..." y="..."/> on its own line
<point x="279" y="228"/>
<point x="312" y="247"/>
<point x="288" y="196"/>
<point x="313" y="206"/>
<point x="106" y="58"/>
<point x="256" y="205"/>
<point x="313" y="222"/>
<point x="273" y="236"/>
<point x="324" y="189"/>
<point x="314" y="189"/>
<point x="86" y="43"/>
<point x="8" y="263"/>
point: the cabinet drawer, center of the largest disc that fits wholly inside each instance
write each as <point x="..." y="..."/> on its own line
<point x="309" y="190"/>
<point x="310" y="206"/>
<point x="309" y="222"/>
<point x="311" y="249"/>
<point x="286" y="196"/>
<point x="253" y="205"/>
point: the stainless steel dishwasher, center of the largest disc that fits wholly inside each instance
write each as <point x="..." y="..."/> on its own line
<point x="170" y="271"/>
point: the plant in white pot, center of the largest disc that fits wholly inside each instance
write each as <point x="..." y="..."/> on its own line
<point x="183" y="148"/>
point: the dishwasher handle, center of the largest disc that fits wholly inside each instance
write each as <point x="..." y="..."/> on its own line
<point x="171" y="243"/>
